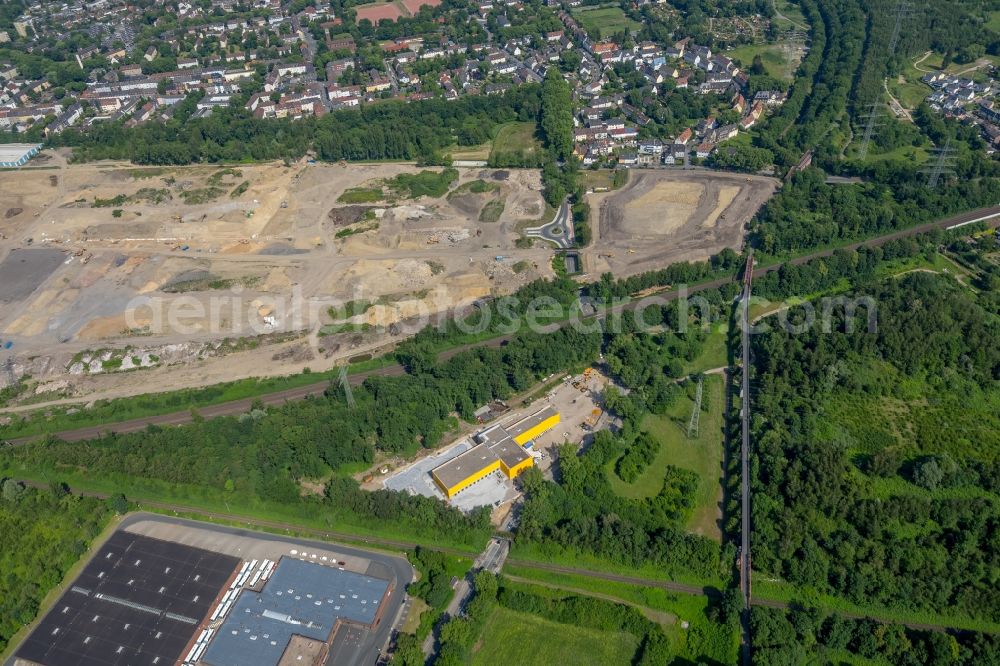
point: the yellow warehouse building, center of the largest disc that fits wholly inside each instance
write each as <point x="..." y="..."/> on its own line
<point x="497" y="448"/>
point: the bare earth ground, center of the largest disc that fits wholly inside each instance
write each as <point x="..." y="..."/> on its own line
<point x="662" y="217"/>
<point x="200" y="254"/>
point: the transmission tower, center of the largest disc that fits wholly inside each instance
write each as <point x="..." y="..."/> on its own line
<point x="871" y="123"/>
<point x="696" y="414"/>
<point x="903" y="10"/>
<point x="944" y="163"/>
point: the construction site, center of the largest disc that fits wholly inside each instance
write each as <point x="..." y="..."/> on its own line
<point x="115" y="278"/>
<point x="665" y="216"/>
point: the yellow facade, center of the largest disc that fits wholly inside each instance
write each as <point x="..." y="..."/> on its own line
<point x="514" y="471"/>
<point x="534" y="432"/>
<point x="467" y="481"/>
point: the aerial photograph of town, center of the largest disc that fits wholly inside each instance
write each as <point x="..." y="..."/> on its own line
<point x="499" y="332"/>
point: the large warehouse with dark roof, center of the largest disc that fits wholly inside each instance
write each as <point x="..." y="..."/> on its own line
<point x="296" y="615"/>
<point x="138" y="601"/>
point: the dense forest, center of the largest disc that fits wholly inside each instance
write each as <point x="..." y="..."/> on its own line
<point x="43" y="532"/>
<point x="875" y="464"/>
<point x="809" y="635"/>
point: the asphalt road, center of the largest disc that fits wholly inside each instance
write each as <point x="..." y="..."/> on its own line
<point x="242" y="406"/>
<point x="558" y="230"/>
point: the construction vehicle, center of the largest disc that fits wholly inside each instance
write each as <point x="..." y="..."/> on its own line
<point x="631" y="251"/>
<point x="607" y="255"/>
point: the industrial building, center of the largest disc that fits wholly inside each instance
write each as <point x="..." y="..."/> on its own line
<point x="13" y="155"/>
<point x="295" y="616"/>
<point x="502" y="448"/>
<point x="138" y="601"/>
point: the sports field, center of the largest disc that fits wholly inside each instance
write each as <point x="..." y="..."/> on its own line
<point x="528" y="640"/>
<point x="702" y="454"/>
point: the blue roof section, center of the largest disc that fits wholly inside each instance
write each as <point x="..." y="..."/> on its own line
<point x="300" y="598"/>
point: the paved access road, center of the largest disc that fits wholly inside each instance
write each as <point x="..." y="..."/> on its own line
<point x="558" y="231"/>
<point x="989" y="215"/>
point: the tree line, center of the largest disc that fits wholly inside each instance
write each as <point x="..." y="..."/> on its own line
<point x="378" y="131"/>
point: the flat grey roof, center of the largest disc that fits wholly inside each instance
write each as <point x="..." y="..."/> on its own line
<point x="529" y="422"/>
<point x="510" y="452"/>
<point x="463" y="466"/>
<point x="300" y="598"/>
<point x="492" y="435"/>
<point x="12" y="152"/>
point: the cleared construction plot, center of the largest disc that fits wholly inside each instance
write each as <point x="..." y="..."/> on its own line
<point x="116" y="278"/>
<point x="661" y="217"/>
<point x="204" y="274"/>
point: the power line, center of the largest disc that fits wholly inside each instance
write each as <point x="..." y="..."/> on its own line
<point x="903" y="10"/>
<point x="871" y="123"/>
<point x="692" y="432"/>
<point x="944" y="163"/>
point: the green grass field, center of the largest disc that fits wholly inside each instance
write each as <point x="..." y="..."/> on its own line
<point x="772" y="55"/>
<point x="606" y="21"/>
<point x="994" y="22"/>
<point x="714" y="353"/>
<point x="702" y="455"/>
<point x="702" y="640"/>
<point x="526" y="640"/>
<point x="516" y="138"/>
